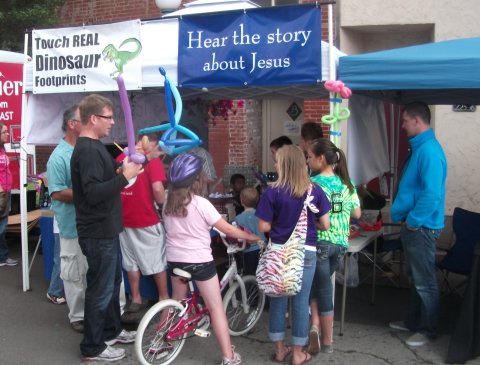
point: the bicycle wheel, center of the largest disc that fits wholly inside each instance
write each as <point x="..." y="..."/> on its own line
<point x="240" y="321"/>
<point x="151" y="345"/>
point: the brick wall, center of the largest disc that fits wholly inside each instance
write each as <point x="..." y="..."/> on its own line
<point x="253" y="111"/>
<point x="42" y="153"/>
<point x="77" y="12"/>
<point x="315" y="109"/>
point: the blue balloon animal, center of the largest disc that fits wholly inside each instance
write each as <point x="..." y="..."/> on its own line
<point x="169" y="142"/>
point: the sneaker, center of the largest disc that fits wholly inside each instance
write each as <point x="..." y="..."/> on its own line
<point x="237" y="359"/>
<point x="123" y="337"/>
<point x="313" y="341"/>
<point x="417" y="339"/>
<point x="399" y="326"/>
<point x="109" y="354"/>
<point x="9" y="262"/>
<point x="135" y="307"/>
<point x="131" y="317"/>
<point x="56" y="300"/>
<point x="77" y="326"/>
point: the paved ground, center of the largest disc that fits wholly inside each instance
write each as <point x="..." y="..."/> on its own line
<point x="34" y="331"/>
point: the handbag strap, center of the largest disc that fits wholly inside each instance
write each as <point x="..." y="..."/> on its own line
<point x="300" y="230"/>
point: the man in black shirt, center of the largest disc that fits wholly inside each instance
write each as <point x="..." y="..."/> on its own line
<point x="96" y="196"/>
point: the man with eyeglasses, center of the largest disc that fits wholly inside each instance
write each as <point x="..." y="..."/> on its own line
<point x="96" y="196"/>
<point x="5" y="188"/>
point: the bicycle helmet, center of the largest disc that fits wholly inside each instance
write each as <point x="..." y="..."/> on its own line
<point x="184" y="169"/>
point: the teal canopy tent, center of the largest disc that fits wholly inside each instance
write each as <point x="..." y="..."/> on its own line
<point x="445" y="72"/>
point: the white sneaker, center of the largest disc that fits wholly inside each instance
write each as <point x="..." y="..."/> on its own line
<point x="237" y="359"/>
<point x="399" y="326"/>
<point x="123" y="337"/>
<point x="9" y="262"/>
<point x="109" y="354"/>
<point x="417" y="339"/>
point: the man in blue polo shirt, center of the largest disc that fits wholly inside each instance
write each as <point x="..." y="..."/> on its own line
<point x="73" y="264"/>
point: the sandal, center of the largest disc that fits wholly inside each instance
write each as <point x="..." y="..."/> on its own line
<point x="281" y="359"/>
<point x="308" y="357"/>
<point x="313" y="341"/>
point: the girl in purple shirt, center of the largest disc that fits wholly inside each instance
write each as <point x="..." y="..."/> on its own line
<point x="279" y="210"/>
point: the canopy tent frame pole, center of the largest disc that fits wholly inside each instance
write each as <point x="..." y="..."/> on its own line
<point x="392" y="151"/>
<point x="334" y="128"/>
<point x="332" y="76"/>
<point x="23" y="176"/>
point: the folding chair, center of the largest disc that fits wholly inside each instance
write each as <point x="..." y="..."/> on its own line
<point x="459" y="258"/>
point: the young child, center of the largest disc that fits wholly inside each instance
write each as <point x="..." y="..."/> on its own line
<point x="278" y="211"/>
<point x="237" y="183"/>
<point x="188" y="218"/>
<point x="330" y="163"/>
<point x="143" y="239"/>
<point x="249" y="198"/>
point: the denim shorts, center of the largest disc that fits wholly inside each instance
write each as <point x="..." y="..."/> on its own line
<point x="202" y="271"/>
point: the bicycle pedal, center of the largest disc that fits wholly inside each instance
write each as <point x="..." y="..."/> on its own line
<point x="201" y="332"/>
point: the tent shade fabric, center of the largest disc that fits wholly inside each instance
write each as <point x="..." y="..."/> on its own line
<point x="11" y="57"/>
<point x="437" y="73"/>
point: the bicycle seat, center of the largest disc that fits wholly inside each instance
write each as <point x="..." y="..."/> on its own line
<point x="182" y="273"/>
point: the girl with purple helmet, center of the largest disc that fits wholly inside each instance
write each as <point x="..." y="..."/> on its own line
<point x="188" y="218"/>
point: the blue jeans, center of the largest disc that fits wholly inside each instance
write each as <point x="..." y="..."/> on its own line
<point x="56" y="283"/>
<point x="328" y="258"/>
<point x="419" y="248"/>
<point x="3" y="243"/>
<point x="102" y="308"/>
<point x="300" y="315"/>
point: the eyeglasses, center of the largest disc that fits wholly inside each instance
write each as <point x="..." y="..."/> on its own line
<point x="109" y="117"/>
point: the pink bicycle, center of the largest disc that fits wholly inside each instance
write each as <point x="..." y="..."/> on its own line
<point x="165" y="327"/>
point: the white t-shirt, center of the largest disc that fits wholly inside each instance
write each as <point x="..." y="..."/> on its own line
<point x="188" y="238"/>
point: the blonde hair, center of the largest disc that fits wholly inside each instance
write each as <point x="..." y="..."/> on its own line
<point x="179" y="197"/>
<point x="249" y="197"/>
<point x="292" y="171"/>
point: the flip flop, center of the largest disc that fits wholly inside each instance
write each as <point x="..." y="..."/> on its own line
<point x="287" y="353"/>
<point x="308" y="357"/>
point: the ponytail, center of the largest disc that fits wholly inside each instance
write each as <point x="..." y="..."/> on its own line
<point x="335" y="157"/>
<point x="341" y="170"/>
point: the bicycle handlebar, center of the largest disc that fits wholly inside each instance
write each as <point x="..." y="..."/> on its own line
<point x="231" y="246"/>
